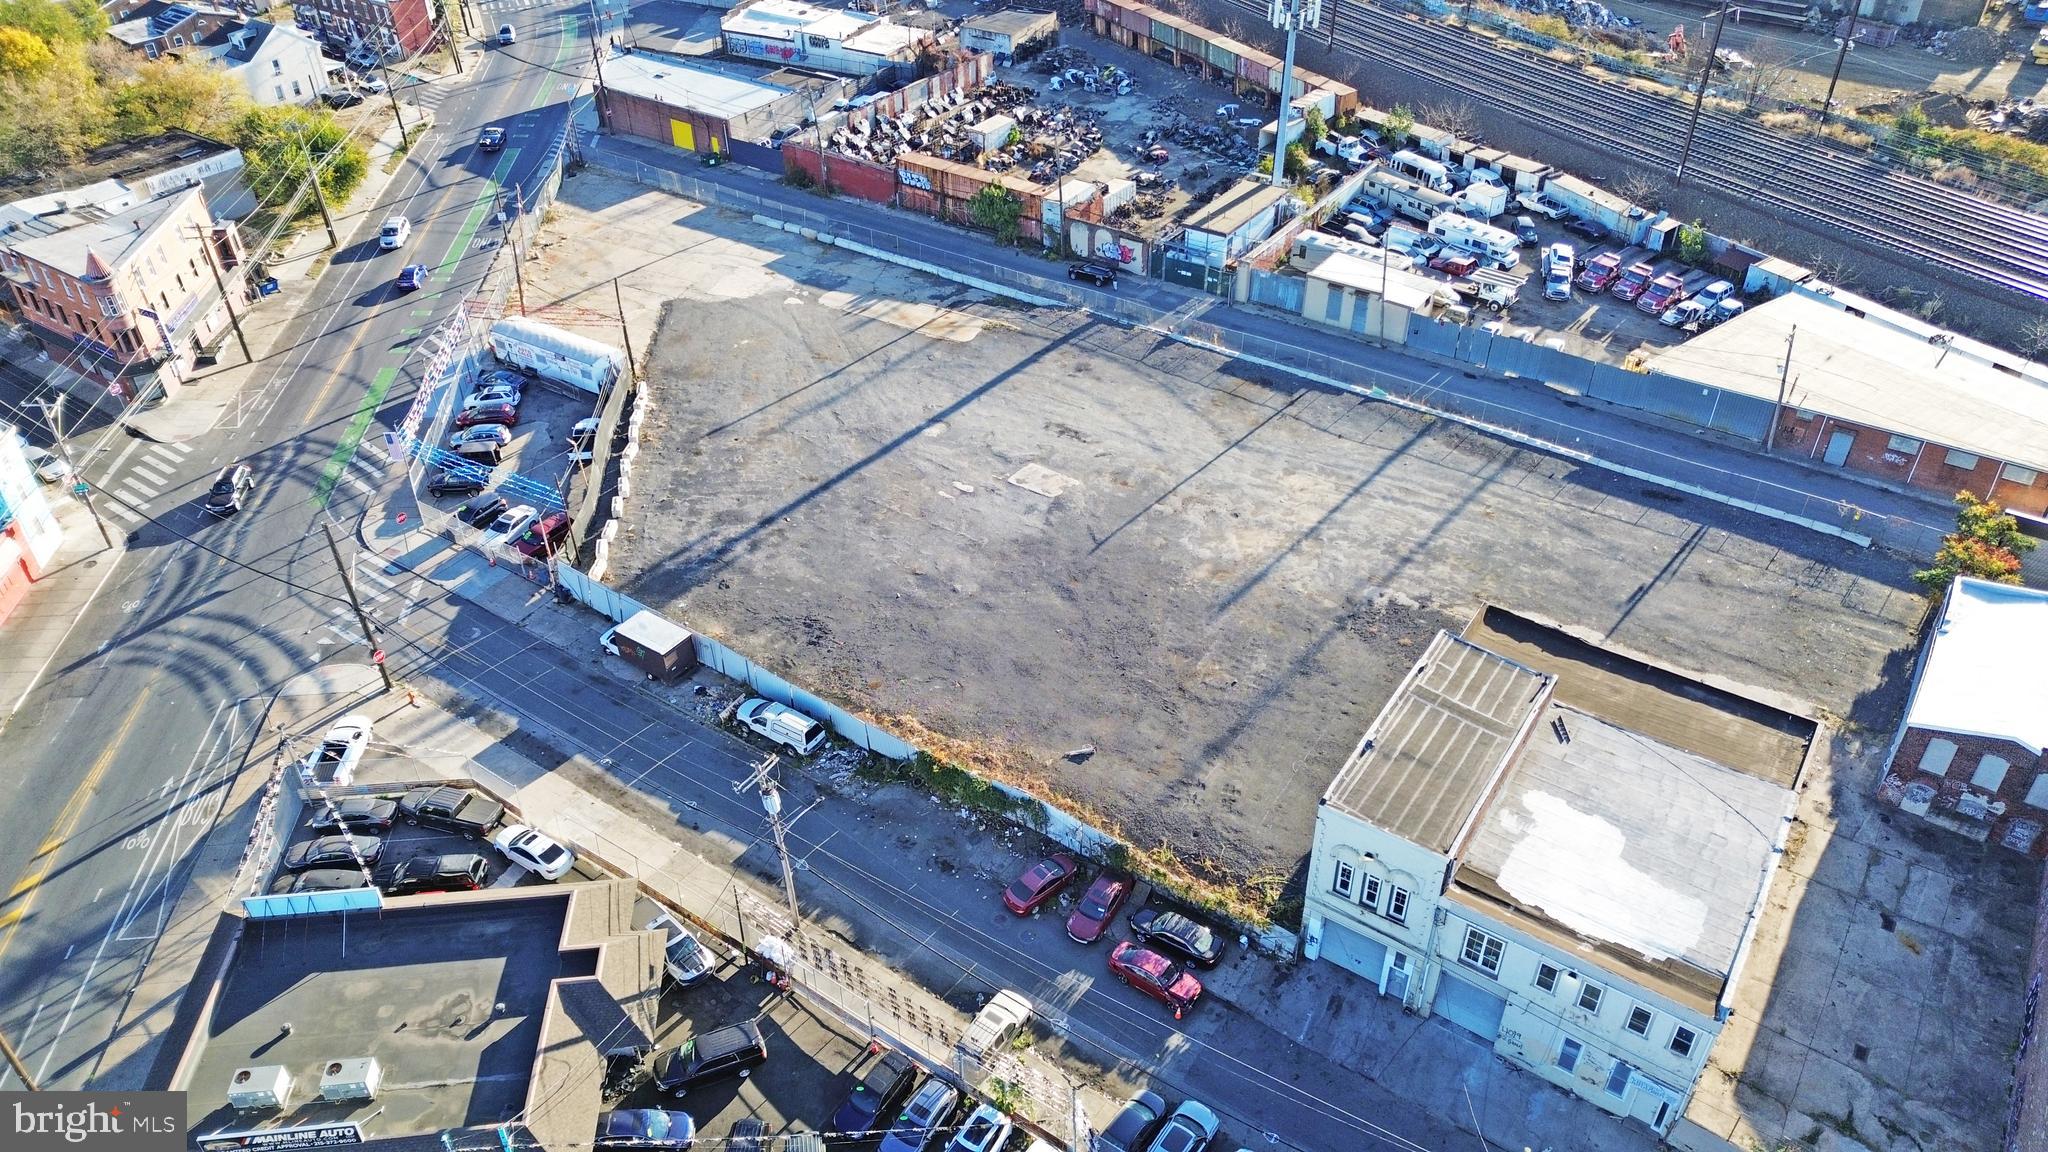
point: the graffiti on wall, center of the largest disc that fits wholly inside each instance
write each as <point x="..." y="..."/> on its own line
<point x="751" y="46"/>
<point x="914" y="179"/>
<point x="1108" y="245"/>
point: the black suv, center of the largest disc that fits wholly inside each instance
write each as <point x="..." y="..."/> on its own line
<point x="459" y="482"/>
<point x="884" y="1080"/>
<point x="228" y="488"/>
<point x="460" y="873"/>
<point x="1133" y="1125"/>
<point x="1101" y="275"/>
<point x="456" y="809"/>
<point x="715" y="1055"/>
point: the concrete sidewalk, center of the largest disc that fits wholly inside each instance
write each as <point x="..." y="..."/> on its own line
<point x="36" y="629"/>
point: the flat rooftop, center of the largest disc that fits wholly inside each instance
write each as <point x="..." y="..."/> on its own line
<point x="712" y="91"/>
<point x="113" y="237"/>
<point x="1665" y="705"/>
<point x="1444" y="736"/>
<point x="1651" y="855"/>
<point x="1885" y="374"/>
<point x="675" y="28"/>
<point x="1982" y="672"/>
<point x="1370" y="276"/>
<point x="128" y="160"/>
<point x="1236" y="205"/>
<point x="1015" y="22"/>
<point x="784" y="19"/>
<point x="417" y="987"/>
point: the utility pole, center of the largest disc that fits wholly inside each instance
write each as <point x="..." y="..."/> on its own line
<point x="512" y="238"/>
<point x="14" y="1062"/>
<point x="220" y="282"/>
<point x="1848" y="39"/>
<point x="604" y="114"/>
<point x="369" y="635"/>
<point x="1784" y="380"/>
<point x="763" y="778"/>
<point x="448" y="30"/>
<point x="623" y="333"/>
<point x="1700" y="97"/>
<point x="51" y="414"/>
<point x="1290" y="16"/>
<point x="391" y="90"/>
<point x="319" y="195"/>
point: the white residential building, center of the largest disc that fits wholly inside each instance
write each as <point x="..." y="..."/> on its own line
<point x="831" y="39"/>
<point x="1576" y="893"/>
<point x="277" y="63"/>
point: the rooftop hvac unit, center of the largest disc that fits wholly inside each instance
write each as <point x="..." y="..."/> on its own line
<point x="354" y="1079"/>
<point x="252" y="1089"/>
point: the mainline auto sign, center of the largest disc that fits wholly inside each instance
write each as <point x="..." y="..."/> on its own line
<point x="284" y="1139"/>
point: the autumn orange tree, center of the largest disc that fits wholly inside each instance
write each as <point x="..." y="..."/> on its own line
<point x="1986" y="544"/>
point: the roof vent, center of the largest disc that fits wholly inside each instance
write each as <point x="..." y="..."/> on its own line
<point x="1564" y="734"/>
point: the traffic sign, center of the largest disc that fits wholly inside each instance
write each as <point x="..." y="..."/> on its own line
<point x="80" y="488"/>
<point x="377" y="657"/>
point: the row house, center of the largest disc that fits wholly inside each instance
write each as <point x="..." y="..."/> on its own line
<point x="370" y="31"/>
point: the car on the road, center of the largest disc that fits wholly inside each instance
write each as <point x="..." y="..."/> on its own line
<point x="49" y="467"/>
<point x="929" y="1109"/>
<point x="459" y="481"/>
<point x="452" y="808"/>
<point x="233" y="483"/>
<point x="455" y="872"/>
<point x="494" y="393"/>
<point x="333" y="852"/>
<point x="734" y="1050"/>
<point x="636" y="1128"/>
<point x="1190" y="1129"/>
<point x="1098" y="906"/>
<point x="483" y="435"/>
<point x="484" y="509"/>
<point x="321" y="880"/>
<point x="782" y="724"/>
<point x="882" y="1079"/>
<point x="374" y="85"/>
<point x="395" y="231"/>
<point x="1098" y="274"/>
<point x="490" y="139"/>
<point x="358" y="814"/>
<point x="1156" y="976"/>
<point x="342" y="98"/>
<point x="511" y="522"/>
<point x="333" y="763"/>
<point x="531" y="850"/>
<point x="1128" y="1130"/>
<point x="541" y="536"/>
<point x="505" y="414"/>
<point x="1591" y="229"/>
<point x="986" y="1130"/>
<point x="411" y="277"/>
<point x="507" y="35"/>
<point x="1172" y="932"/>
<point x="1040" y="883"/>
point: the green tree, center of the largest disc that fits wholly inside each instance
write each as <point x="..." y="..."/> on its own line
<point x="1400" y="126"/>
<point x="167" y="93"/>
<point x="1313" y="128"/>
<point x="22" y="51"/>
<point x="1986" y="544"/>
<point x="1909" y="130"/>
<point x="69" y="22"/>
<point x="1692" y="244"/>
<point x="1297" y="161"/>
<point x="277" y="142"/>
<point x="998" y="210"/>
<point x="51" y="115"/>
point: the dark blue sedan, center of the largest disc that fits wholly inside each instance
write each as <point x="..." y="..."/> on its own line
<point x="412" y="276"/>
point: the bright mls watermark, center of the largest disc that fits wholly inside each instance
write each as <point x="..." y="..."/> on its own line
<point x="92" y="1121"/>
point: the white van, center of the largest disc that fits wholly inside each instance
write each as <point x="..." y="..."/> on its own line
<point x="395" y="232"/>
<point x="782" y="724"/>
<point x="1421" y="169"/>
<point x="1496" y="246"/>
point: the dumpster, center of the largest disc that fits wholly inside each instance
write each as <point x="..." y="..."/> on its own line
<point x="662" y="650"/>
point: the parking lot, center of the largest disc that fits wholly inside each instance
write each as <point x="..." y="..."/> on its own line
<point x="535" y="466"/>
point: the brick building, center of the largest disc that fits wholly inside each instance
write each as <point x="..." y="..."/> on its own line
<point x="156" y="28"/>
<point x="125" y="292"/>
<point x="29" y="534"/>
<point x="370" y="30"/>
<point x="1969" y="753"/>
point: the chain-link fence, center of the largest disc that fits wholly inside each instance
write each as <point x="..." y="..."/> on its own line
<point x="1612" y="453"/>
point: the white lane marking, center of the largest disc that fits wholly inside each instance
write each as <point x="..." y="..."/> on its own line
<point x="361" y="485"/>
<point x="146" y="470"/>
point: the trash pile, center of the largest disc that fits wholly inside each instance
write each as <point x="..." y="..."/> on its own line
<point x="938" y="126"/>
<point x="2021" y="117"/>
<point x="1578" y="13"/>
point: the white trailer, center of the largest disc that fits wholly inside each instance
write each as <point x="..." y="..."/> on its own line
<point x="1404" y="196"/>
<point x="545" y="350"/>
<point x="1496" y="246"/>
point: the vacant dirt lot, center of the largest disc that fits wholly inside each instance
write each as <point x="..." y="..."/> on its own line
<point x="1034" y="532"/>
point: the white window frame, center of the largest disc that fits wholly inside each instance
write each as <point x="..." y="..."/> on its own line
<point x="1957" y="458"/>
<point x="1990" y="773"/>
<point x="1937" y="757"/>
<point x="1547" y="976"/>
<point x="1622" y="1071"/>
<point x="178" y="40"/>
<point x="1369" y="893"/>
<point x="1397" y="904"/>
<point x="2037" y="792"/>
<point x="1643" y="1013"/>
<point x="1569" y="1045"/>
<point x="1598" y="994"/>
<point x="150" y="50"/>
<point x="1344" y="878"/>
<point x="2014" y="474"/>
<point x="1482" y="952"/>
<point x="1683" y="1041"/>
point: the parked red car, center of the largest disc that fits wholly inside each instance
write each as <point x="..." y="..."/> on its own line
<point x="1156" y="976"/>
<point x="505" y="414"/>
<point x="540" y="538"/>
<point x="1039" y="883"/>
<point x="1454" y="263"/>
<point x="1098" y="907"/>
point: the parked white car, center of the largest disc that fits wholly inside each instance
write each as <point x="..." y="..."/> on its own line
<point x="333" y="763"/>
<point x="50" y="468"/>
<point x="534" y="852"/>
<point x="493" y="394"/>
<point x="986" y="1130"/>
<point x="782" y="724"/>
<point x="511" y="522"/>
<point x="1536" y="202"/>
<point x="688" y="959"/>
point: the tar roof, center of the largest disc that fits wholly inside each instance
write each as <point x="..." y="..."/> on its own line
<point x="1881" y="368"/>
<point x="1442" y="739"/>
<point x="1237" y="206"/>
<point x="1981" y="675"/>
<point x="113" y="237"/>
<point x="690" y="86"/>
<point x="1654" y="856"/>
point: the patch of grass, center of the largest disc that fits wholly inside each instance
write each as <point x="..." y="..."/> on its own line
<point x="953" y="785"/>
<point x="1783" y="121"/>
<point x="319" y="265"/>
<point x="1842" y="133"/>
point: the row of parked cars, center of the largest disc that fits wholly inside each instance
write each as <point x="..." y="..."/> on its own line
<point x="1167" y="945"/>
<point x="350" y="837"/>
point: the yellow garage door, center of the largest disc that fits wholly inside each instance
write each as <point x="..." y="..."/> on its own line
<point x="685" y="135"/>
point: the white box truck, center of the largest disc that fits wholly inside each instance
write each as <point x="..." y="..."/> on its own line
<point x="544" y="350"/>
<point x="1496" y="246"/>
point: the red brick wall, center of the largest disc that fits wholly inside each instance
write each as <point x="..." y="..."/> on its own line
<point x="650" y="120"/>
<point x="1951" y="800"/>
<point x="2029" y="498"/>
<point x="1928" y="469"/>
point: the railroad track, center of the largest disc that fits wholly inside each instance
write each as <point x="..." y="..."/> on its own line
<point x="1808" y="178"/>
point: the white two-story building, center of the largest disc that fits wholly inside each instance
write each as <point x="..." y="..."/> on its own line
<point x="1578" y="894"/>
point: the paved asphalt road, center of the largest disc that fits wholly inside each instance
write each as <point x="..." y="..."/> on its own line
<point x="115" y="761"/>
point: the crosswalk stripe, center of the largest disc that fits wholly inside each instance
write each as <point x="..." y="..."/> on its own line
<point x="360" y="485"/>
<point x="136" y="493"/>
<point x="142" y="471"/>
<point x="367" y="467"/>
<point x="379" y="577"/>
<point x="122" y="511"/>
<point x="179" y="449"/>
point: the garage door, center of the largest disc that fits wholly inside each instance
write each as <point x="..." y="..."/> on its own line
<point x="1355" y="951"/>
<point x="1475" y="1009"/>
